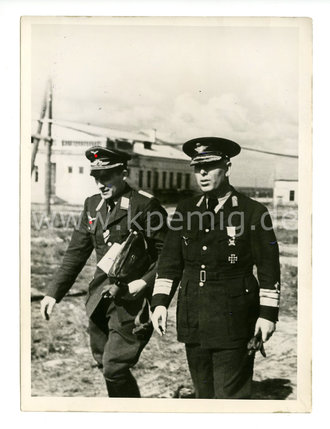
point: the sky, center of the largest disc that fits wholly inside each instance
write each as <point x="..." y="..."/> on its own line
<point x="186" y="80"/>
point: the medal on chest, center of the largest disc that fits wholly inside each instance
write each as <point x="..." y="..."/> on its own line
<point x="231" y="232"/>
<point x="233" y="258"/>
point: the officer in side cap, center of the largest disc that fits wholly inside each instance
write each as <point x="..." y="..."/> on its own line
<point x="114" y="322"/>
<point x="214" y="241"/>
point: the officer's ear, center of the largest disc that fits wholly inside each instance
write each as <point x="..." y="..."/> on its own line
<point x="227" y="174"/>
<point x="124" y="174"/>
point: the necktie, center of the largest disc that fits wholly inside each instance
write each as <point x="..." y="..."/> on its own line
<point x="212" y="203"/>
<point x="110" y="203"/>
<point x="208" y="221"/>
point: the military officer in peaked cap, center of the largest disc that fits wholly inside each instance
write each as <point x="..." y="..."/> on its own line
<point x="106" y="219"/>
<point x="213" y="243"/>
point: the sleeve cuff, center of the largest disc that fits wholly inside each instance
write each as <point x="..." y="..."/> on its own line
<point x="159" y="299"/>
<point x="269" y="313"/>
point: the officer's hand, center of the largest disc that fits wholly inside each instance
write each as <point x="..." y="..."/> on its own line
<point x="47" y="305"/>
<point x="266" y="327"/>
<point x="159" y="319"/>
<point x="136" y="286"/>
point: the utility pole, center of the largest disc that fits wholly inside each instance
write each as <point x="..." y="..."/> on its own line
<point x="49" y="143"/>
<point x="36" y="138"/>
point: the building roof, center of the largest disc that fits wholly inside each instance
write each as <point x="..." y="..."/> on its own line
<point x="65" y="131"/>
<point x="110" y="133"/>
<point x="160" y="151"/>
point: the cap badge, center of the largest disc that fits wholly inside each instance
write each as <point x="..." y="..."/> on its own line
<point x="100" y="163"/>
<point x="200" y="148"/>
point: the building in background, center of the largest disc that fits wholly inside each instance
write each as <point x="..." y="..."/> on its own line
<point x="157" y="167"/>
<point x="285" y="192"/>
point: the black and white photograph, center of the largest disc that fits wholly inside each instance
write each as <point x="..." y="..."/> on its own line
<point x="165" y="214"/>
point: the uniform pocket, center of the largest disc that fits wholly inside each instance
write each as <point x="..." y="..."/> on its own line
<point x="214" y="308"/>
<point x="182" y="305"/>
<point x="128" y="310"/>
<point x="189" y="245"/>
<point x="243" y="303"/>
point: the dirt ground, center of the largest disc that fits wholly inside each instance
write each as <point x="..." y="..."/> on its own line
<point x="62" y="364"/>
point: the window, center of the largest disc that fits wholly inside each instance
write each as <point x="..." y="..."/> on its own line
<point x="36" y="173"/>
<point x="69" y="169"/>
<point x="164" y="179"/>
<point x="171" y="180"/>
<point x="148" y="179"/>
<point x="147" y="145"/>
<point x="81" y="170"/>
<point x="179" y="180"/>
<point x="140" y="179"/>
<point x="80" y="143"/>
<point x="291" y="198"/>
<point x="187" y="184"/>
<point x="156" y="179"/>
<point x="123" y="145"/>
<point x="110" y="144"/>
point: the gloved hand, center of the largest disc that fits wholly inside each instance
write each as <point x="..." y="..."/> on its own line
<point x="256" y="344"/>
<point x="265" y="327"/>
<point x="46" y="306"/>
<point x="159" y="319"/>
<point x="110" y="291"/>
<point x="134" y="290"/>
<point x="141" y="331"/>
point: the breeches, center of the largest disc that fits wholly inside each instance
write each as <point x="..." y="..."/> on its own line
<point x="114" y="347"/>
<point x="220" y="374"/>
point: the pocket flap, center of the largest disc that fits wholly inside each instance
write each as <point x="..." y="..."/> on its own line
<point x="236" y="287"/>
<point x="188" y="233"/>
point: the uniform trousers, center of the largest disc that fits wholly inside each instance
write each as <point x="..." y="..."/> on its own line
<point x="116" y="349"/>
<point x="220" y="373"/>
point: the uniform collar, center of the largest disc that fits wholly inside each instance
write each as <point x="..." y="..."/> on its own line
<point x="222" y="200"/>
<point x="120" y="210"/>
<point x="229" y="200"/>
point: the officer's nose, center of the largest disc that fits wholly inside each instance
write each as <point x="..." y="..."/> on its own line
<point x="203" y="172"/>
<point x="99" y="184"/>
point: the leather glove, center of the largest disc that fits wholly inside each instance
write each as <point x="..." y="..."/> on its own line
<point x="256" y="344"/>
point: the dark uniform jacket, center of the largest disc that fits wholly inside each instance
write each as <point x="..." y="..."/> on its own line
<point x="99" y="228"/>
<point x="219" y="298"/>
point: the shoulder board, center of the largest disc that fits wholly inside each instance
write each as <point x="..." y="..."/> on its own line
<point x="146" y="194"/>
<point x="234" y="201"/>
<point x="124" y="203"/>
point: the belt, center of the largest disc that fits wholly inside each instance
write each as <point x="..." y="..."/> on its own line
<point x="204" y="275"/>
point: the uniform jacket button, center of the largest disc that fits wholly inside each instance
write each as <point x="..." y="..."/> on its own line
<point x="204" y="247"/>
<point x="201" y="284"/>
<point x="202" y="266"/>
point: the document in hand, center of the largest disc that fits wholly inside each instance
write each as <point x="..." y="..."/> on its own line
<point x="108" y="259"/>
